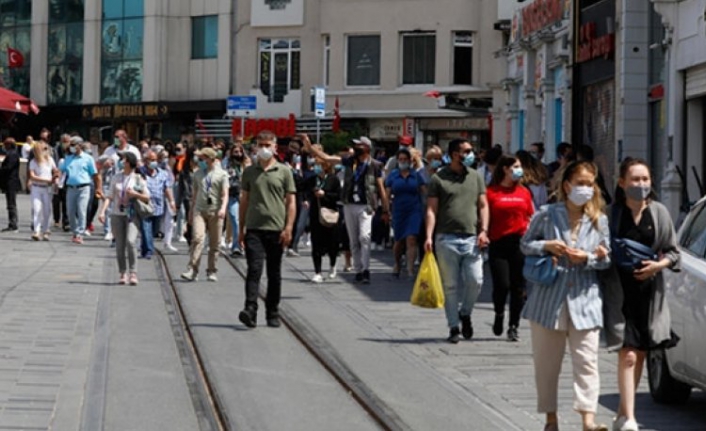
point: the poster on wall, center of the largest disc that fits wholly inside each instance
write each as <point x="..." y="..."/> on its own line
<point x="599" y="130"/>
<point x="274" y="13"/>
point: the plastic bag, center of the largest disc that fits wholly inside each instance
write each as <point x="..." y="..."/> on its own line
<point x="428" y="291"/>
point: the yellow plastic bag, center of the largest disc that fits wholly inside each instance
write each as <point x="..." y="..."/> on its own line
<point x="428" y="291"/>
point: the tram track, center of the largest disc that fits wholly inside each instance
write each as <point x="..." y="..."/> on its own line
<point x="209" y="407"/>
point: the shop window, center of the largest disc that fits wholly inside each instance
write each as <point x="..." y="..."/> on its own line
<point x="279" y="67"/>
<point x="65" y="53"/>
<point x="204" y="37"/>
<point x="363" y="66"/>
<point x="463" y="58"/>
<point x="122" y="39"/>
<point x="15" y="33"/>
<point x="418" y="58"/>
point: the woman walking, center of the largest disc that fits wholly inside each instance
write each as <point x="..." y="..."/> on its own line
<point x="511" y="208"/>
<point x="126" y="186"/>
<point x="638" y="320"/>
<point x="326" y="189"/>
<point x="42" y="175"/>
<point x="407" y="188"/>
<point x="234" y="164"/>
<point x="575" y="232"/>
<point x="534" y="177"/>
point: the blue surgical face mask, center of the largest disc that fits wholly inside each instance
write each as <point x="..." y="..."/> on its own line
<point x="121" y="165"/>
<point x="296" y="159"/>
<point x="338" y="168"/>
<point x="435" y="164"/>
<point x="318" y="169"/>
<point x="517" y="174"/>
<point x="446" y="159"/>
<point x="403" y="166"/>
<point x="73" y="149"/>
<point x="311" y="161"/>
<point x="116" y="142"/>
<point x="469" y="159"/>
<point x="154" y="165"/>
<point x="203" y="165"/>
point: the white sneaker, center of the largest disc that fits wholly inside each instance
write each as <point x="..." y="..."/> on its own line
<point x="212" y="277"/>
<point x="108" y="236"/>
<point x="630" y="425"/>
<point x="223" y="243"/>
<point x="317" y="278"/>
<point x="182" y="238"/>
<point x="171" y="248"/>
<point x="189" y="275"/>
<point x="618" y="422"/>
<point x="86" y="233"/>
<point x="292" y="253"/>
<point x="333" y="273"/>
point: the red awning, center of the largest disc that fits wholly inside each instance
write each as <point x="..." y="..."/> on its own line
<point x="16" y="103"/>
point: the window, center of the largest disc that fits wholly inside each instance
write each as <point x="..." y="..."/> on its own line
<point x="327" y="59"/>
<point x="418" y="58"/>
<point x="121" y="53"/>
<point x="363" y="67"/>
<point x="204" y="37"/>
<point x="65" y="53"/>
<point x="463" y="58"/>
<point x="694" y="238"/>
<point x="279" y="67"/>
<point x="15" y="33"/>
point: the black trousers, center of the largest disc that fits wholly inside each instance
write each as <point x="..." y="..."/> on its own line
<point x="263" y="246"/>
<point x="506" y="262"/>
<point x="324" y="241"/>
<point x="59" y="207"/>
<point x="11" y="200"/>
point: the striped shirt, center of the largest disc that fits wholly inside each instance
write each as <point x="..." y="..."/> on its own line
<point x="577" y="286"/>
<point x="157" y="184"/>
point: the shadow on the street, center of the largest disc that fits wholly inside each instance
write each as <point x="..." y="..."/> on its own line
<point x="219" y="326"/>
<point x="441" y="340"/>
<point x="651" y="415"/>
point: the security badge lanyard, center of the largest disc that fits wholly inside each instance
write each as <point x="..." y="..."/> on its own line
<point x="359" y="171"/>
<point x="208" y="181"/>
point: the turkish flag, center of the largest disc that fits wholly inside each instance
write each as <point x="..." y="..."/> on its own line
<point x="15" y="58"/>
<point x="336" y="117"/>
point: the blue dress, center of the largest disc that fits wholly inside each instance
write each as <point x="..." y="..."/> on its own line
<point x="407" y="209"/>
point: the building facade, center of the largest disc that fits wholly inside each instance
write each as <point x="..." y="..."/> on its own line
<point x="156" y="66"/>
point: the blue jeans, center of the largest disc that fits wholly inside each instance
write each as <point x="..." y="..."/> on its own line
<point x="461" y="266"/>
<point x="148" y="227"/>
<point x="233" y="208"/>
<point x="77" y="205"/>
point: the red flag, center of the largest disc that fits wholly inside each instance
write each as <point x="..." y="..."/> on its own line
<point x="336" y="126"/>
<point x="15" y="58"/>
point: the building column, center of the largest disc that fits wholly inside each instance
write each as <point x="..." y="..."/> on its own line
<point x="92" y="38"/>
<point x="39" y="54"/>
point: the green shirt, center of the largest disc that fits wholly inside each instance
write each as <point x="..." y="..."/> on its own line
<point x="267" y="190"/>
<point x="458" y="200"/>
<point x="210" y="184"/>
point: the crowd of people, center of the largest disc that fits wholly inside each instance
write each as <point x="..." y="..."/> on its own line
<point x="478" y="210"/>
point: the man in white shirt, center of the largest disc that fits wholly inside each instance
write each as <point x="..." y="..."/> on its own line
<point x="120" y="144"/>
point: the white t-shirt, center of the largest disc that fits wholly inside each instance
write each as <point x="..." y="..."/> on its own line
<point x="112" y="152"/>
<point x="26" y="150"/>
<point x="119" y="184"/>
<point x="43" y="170"/>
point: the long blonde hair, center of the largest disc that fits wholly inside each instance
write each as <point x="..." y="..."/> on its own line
<point x="41" y="155"/>
<point x="593" y="208"/>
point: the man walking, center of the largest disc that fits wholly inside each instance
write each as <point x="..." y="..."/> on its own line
<point x="267" y="214"/>
<point x="10" y="182"/>
<point x="207" y="212"/>
<point x="159" y="186"/>
<point x="121" y="144"/>
<point x="80" y="170"/>
<point x="362" y="186"/>
<point x="456" y="199"/>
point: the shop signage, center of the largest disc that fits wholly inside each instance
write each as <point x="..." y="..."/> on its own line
<point x="282" y="127"/>
<point x="469" y="123"/>
<point x="388" y="129"/>
<point x="592" y="46"/>
<point x="148" y="111"/>
<point x="541" y="14"/>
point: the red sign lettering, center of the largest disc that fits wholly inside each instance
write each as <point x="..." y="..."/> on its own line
<point x="592" y="46"/>
<point x="541" y="14"/>
<point x="282" y="127"/>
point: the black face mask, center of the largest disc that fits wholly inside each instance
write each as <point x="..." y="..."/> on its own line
<point x="238" y="157"/>
<point x="358" y="152"/>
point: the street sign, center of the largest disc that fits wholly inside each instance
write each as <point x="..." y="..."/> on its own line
<point x="320" y="102"/>
<point x="241" y="106"/>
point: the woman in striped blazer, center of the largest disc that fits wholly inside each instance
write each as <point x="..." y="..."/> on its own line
<point x="575" y="232"/>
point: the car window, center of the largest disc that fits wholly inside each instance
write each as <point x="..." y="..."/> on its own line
<point x="694" y="237"/>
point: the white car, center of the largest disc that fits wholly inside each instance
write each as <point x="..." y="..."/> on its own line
<point x="674" y="372"/>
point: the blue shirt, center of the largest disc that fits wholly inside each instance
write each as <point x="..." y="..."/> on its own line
<point x="406" y="191"/>
<point x="157" y="183"/>
<point x="80" y="169"/>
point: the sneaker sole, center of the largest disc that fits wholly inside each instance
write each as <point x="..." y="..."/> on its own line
<point x="246" y="320"/>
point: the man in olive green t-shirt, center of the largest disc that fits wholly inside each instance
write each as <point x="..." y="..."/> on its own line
<point x="208" y="210"/>
<point x="268" y="210"/>
<point x="455" y="202"/>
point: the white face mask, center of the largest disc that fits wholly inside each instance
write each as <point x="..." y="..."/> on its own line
<point x="580" y="195"/>
<point x="264" y="153"/>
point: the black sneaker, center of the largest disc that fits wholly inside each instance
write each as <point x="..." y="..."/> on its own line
<point x="466" y="327"/>
<point x="10" y="229"/>
<point x="366" y="277"/>
<point x="274" y="322"/>
<point x="454" y="336"/>
<point x="359" y="277"/>
<point x="498" y="324"/>
<point x="512" y="334"/>
<point x="248" y="318"/>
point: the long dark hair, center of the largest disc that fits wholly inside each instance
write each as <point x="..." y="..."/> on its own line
<point x="499" y="171"/>
<point x="625" y="166"/>
<point x="534" y="171"/>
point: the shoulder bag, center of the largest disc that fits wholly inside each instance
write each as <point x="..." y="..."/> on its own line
<point x="541" y="269"/>
<point x="143" y="209"/>
<point x="628" y="254"/>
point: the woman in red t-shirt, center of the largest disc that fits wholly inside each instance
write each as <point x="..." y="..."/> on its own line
<point x="511" y="208"/>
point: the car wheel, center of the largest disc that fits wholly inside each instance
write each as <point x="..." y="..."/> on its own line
<point x="664" y="388"/>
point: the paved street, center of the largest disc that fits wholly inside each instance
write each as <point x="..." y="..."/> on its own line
<point x="79" y="352"/>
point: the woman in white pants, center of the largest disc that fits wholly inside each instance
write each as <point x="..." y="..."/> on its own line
<point x="42" y="174"/>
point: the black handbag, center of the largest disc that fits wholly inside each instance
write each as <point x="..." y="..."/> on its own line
<point x="627" y="254"/>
